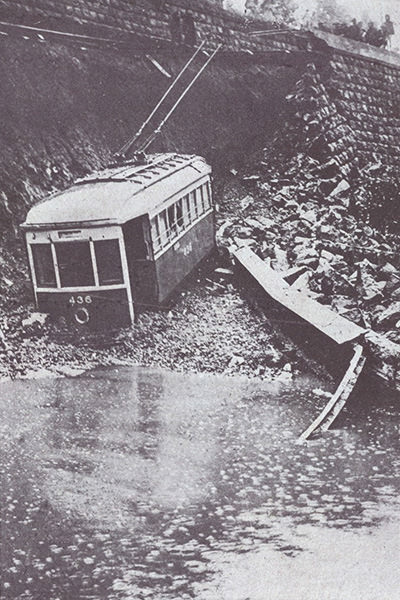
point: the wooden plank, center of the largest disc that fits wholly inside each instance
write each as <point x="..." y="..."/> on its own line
<point x="340" y="397"/>
<point x="383" y="356"/>
<point x="333" y="325"/>
<point x="158" y="66"/>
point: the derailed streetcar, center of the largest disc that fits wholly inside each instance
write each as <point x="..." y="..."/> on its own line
<point x="120" y="238"/>
<point x="128" y="235"/>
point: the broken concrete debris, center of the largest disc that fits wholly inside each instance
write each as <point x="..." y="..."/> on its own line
<point x="323" y="214"/>
<point x="339" y="260"/>
<point x="390" y="315"/>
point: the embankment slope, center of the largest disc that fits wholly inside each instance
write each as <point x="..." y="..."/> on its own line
<point x="65" y="108"/>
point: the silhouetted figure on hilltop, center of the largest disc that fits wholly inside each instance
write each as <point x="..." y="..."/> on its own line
<point x="354" y="31"/>
<point x="374" y="36"/>
<point x="388" y="31"/>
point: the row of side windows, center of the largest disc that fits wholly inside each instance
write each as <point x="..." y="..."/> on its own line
<point x="172" y="221"/>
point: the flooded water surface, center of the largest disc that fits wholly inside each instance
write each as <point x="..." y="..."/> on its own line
<point x="138" y="484"/>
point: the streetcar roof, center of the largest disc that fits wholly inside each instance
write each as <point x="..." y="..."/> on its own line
<point x="119" y="194"/>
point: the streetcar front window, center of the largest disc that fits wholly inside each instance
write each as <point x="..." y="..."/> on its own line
<point x="108" y="261"/>
<point x="44" y="266"/>
<point x="74" y="264"/>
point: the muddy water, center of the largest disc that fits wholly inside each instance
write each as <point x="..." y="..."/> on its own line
<point x="137" y="483"/>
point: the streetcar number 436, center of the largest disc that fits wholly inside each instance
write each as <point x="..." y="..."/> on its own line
<point x="80" y="300"/>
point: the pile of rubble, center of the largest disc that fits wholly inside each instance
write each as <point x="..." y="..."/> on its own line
<point x="317" y="214"/>
<point x="327" y="252"/>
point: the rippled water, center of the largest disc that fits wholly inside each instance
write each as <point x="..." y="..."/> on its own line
<point x="139" y="483"/>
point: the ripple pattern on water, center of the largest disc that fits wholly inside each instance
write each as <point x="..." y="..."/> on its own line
<point x="130" y="483"/>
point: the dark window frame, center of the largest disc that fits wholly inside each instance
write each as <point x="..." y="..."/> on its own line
<point x="39" y="266"/>
<point x="71" y="268"/>
<point x="102" y="266"/>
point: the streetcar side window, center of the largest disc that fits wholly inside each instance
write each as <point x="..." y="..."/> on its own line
<point x="172" y="223"/>
<point x="155" y="232"/>
<point x="199" y="201"/>
<point x="191" y="208"/>
<point x="179" y="213"/>
<point x="206" y="196"/>
<point x="163" y="228"/>
<point x="74" y="264"/>
<point x="193" y="205"/>
<point x="200" y="193"/>
<point x="186" y="210"/>
<point x="108" y="259"/>
<point x="44" y="266"/>
<point x="208" y="193"/>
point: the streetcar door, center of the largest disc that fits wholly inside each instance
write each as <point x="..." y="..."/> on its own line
<point x="140" y="261"/>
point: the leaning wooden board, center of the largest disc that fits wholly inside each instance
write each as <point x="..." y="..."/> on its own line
<point x="335" y="405"/>
<point x="383" y="356"/>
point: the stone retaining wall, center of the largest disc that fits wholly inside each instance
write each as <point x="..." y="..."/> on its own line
<point x="141" y="17"/>
<point x="367" y="94"/>
<point x="363" y="85"/>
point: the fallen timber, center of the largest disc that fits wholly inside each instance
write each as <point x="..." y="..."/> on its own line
<point x="372" y="353"/>
<point x="340" y="397"/>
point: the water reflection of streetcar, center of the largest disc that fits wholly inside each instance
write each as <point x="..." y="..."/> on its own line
<point x="120" y="238"/>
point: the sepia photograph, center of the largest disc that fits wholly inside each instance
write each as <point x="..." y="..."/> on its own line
<point x="199" y="299"/>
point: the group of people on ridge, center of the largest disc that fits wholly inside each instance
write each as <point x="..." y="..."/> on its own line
<point x="375" y="36"/>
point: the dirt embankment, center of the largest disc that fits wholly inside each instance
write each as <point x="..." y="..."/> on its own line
<point x="65" y="108"/>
